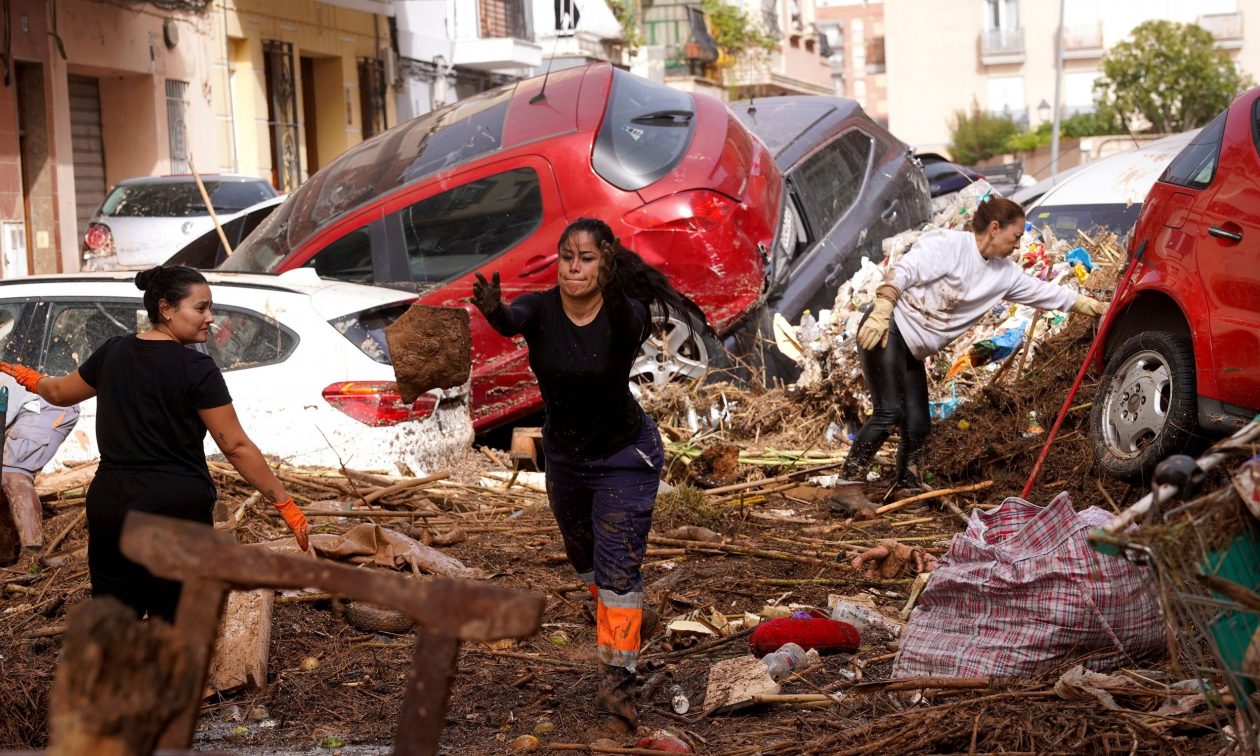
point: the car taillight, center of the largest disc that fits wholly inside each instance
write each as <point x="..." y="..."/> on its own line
<point x="98" y="239"/>
<point x="699" y="210"/>
<point x="377" y="403"/>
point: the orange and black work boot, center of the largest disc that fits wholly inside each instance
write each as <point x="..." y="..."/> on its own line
<point x="615" y="698"/>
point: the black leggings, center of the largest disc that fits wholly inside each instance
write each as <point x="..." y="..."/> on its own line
<point x="111" y="496"/>
<point x="898" y="385"/>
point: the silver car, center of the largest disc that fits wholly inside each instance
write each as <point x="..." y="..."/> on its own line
<point x="143" y="221"/>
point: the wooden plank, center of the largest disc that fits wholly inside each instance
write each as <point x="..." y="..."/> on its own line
<point x="241" y="653"/>
<point x="197" y="624"/>
<point x="424" y="703"/>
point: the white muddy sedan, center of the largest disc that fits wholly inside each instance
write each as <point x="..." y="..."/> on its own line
<point x="304" y="359"/>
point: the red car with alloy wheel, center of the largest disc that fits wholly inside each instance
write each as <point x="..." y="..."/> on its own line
<point x="488" y="183"/>
<point x="1183" y="357"/>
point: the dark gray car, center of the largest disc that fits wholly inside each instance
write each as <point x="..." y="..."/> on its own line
<point x="851" y="184"/>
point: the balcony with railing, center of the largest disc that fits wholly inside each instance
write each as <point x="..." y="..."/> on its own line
<point x="999" y="46"/>
<point x="505" y="41"/>
<point x="1083" y="41"/>
<point x="1225" y="28"/>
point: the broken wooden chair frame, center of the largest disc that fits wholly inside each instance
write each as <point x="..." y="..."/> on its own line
<point x="446" y="612"/>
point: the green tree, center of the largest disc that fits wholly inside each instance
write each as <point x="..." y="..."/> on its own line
<point x="627" y="13"/>
<point x="1170" y="74"/>
<point x="978" y="135"/>
<point x="732" y="30"/>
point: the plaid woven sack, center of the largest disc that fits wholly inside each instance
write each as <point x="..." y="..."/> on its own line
<point x="1022" y="589"/>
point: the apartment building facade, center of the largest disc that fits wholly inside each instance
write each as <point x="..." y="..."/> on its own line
<point x="852" y="32"/>
<point x="944" y="55"/>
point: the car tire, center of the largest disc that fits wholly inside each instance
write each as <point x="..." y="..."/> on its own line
<point x="678" y="350"/>
<point x="1146" y="407"/>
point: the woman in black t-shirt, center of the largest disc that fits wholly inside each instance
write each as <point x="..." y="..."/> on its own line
<point x="155" y="401"/>
<point x="604" y="455"/>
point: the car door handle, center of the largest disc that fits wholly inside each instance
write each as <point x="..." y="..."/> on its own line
<point x="1221" y="233"/>
<point x="537" y="263"/>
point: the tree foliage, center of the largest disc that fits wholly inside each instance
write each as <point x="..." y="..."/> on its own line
<point x="1169" y="74"/>
<point x="1079" y="125"/>
<point x="627" y="13"/>
<point x="732" y="30"/>
<point x="978" y="135"/>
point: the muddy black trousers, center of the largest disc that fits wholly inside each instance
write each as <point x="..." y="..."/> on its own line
<point x="604" y="510"/>
<point x="897" y="381"/>
<point x="112" y="495"/>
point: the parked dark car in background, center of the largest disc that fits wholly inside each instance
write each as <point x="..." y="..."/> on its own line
<point x="488" y="183"/>
<point x="850" y="185"/>
<point x="945" y="177"/>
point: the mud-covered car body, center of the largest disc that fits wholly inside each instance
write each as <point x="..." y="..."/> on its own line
<point x="850" y="185"/>
<point x="1183" y="356"/>
<point x="487" y="184"/>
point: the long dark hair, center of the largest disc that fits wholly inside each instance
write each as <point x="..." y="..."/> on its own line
<point x="166" y="282"/>
<point x="631" y="274"/>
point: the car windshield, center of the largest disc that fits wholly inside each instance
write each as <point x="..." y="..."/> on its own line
<point x="182" y="199"/>
<point x="406" y="153"/>
<point x="1066" y="220"/>
<point x="646" y="130"/>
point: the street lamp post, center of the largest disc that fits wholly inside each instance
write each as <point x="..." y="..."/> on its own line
<point x="1043" y="111"/>
<point x="1058" y="94"/>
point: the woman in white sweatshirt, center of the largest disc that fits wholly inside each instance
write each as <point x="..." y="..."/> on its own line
<point x="935" y="293"/>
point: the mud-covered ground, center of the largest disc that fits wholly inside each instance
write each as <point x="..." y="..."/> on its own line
<point x="781" y="547"/>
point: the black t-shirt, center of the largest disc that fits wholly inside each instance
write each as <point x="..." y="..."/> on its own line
<point x="147" y="397"/>
<point x="583" y="371"/>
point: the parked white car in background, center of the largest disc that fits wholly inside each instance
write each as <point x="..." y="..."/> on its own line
<point x="304" y="359"/>
<point x="143" y="221"/>
<point x="1107" y="193"/>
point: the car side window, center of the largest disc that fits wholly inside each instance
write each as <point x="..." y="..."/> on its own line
<point x="78" y="328"/>
<point x="240" y="339"/>
<point x="10" y="314"/>
<point x="835" y="175"/>
<point x="1195" y="165"/>
<point x="346" y="259"/>
<point x="452" y="233"/>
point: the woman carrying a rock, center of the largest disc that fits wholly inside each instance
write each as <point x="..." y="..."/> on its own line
<point x="155" y="400"/>
<point x="941" y="288"/>
<point x="604" y="455"/>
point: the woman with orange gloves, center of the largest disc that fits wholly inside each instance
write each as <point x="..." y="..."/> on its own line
<point x="604" y="455"/>
<point x="931" y="296"/>
<point x="155" y="401"/>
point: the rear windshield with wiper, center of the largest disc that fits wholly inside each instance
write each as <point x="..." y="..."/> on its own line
<point x="646" y="130"/>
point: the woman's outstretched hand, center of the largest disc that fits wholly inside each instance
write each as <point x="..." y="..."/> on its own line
<point x="486" y="294"/>
<point x="296" y="521"/>
<point x="25" y="376"/>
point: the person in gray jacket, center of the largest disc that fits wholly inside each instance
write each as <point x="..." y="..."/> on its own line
<point x="34" y="431"/>
<point x="941" y="288"/>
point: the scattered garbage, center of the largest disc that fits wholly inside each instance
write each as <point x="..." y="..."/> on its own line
<point x="1021" y="590"/>
<point x="784" y="661"/>
<point x="814" y="630"/>
<point x="678" y="700"/>
<point x="665" y="742"/>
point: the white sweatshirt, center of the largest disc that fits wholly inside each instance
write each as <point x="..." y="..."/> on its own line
<point x="947" y="286"/>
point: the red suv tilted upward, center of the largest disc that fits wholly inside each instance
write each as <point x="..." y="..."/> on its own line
<point x="1183" y="356"/>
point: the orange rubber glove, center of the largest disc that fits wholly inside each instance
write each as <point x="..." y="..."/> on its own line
<point x="295" y="520"/>
<point x="27" y="377"/>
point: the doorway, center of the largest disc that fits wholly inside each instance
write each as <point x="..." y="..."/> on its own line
<point x="38" y="202"/>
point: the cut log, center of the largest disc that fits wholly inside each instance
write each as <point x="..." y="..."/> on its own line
<point x="120" y="681"/>
<point x="65" y="480"/>
<point x="240" y="656"/>
<point x="431" y="348"/>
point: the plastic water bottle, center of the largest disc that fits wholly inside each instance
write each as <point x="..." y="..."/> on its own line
<point x="678" y="699"/>
<point x="807" y="331"/>
<point x="789" y="658"/>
